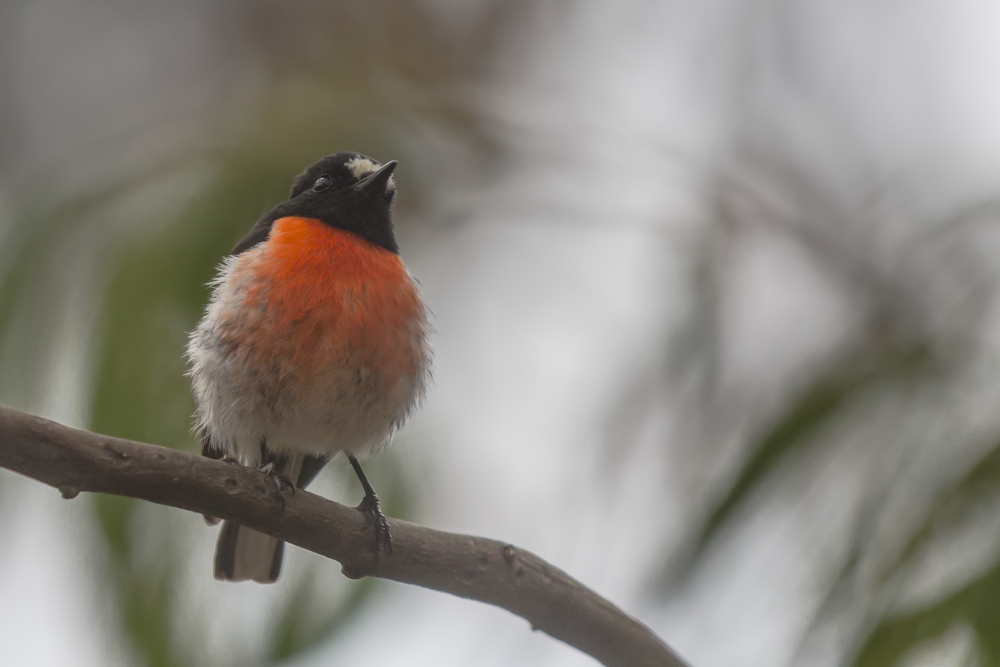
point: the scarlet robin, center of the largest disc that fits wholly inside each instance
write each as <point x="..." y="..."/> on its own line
<point x="314" y="343"/>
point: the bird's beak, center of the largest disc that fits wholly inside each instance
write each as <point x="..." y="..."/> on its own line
<point x="374" y="183"/>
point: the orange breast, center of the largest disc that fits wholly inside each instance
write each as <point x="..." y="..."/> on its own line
<point x="318" y="302"/>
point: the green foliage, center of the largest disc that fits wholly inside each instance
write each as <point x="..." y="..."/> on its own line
<point x="830" y="396"/>
<point x="307" y="621"/>
<point x="975" y="604"/>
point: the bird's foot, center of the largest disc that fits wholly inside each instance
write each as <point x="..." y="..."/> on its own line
<point x="370" y="506"/>
<point x="283" y="486"/>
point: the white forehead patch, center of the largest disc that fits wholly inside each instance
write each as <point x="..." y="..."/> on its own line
<point x="362" y="166"/>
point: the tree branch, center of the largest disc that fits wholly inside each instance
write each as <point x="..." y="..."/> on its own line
<point x="471" y="567"/>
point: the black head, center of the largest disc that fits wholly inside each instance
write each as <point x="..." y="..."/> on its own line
<point x="345" y="190"/>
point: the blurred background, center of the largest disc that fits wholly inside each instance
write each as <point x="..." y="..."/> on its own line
<point x="714" y="289"/>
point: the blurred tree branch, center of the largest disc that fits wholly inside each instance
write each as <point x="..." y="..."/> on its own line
<point x="471" y="567"/>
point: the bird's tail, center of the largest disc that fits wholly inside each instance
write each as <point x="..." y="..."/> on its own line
<point x="243" y="554"/>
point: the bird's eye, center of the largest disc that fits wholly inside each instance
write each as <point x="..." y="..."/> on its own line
<point x="322" y="183"/>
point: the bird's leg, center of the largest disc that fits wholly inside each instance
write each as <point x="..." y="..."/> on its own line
<point x="370" y="506"/>
<point x="271" y="465"/>
<point x="282" y="485"/>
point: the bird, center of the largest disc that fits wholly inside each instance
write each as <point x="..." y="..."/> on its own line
<point x="314" y="343"/>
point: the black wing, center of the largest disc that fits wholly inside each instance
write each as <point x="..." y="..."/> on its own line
<point x="258" y="234"/>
